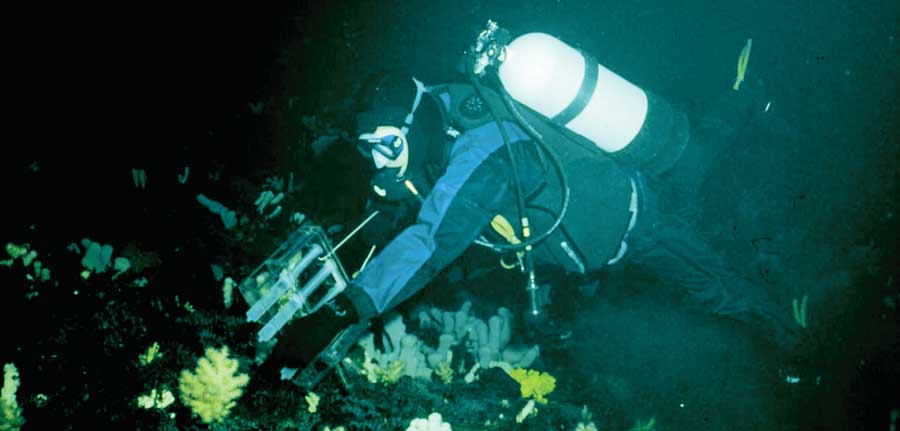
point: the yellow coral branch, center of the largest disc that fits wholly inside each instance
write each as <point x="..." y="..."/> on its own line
<point x="212" y="388"/>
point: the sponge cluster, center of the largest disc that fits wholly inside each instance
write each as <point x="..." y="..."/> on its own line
<point x="487" y="341"/>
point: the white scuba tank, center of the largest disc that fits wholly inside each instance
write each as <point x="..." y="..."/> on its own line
<point x="574" y="91"/>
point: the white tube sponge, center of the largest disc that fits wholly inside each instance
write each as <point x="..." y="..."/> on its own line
<point x="426" y="321"/>
<point x="445" y="343"/>
<point x="461" y="319"/>
<point x="494" y="325"/>
<point x="96" y="257"/>
<point x="520" y="356"/>
<point x="530" y="356"/>
<point x="447" y="320"/>
<point x="412" y="356"/>
<point x="506" y="328"/>
<point x="229" y="219"/>
<point x="486" y="355"/>
<point x="481" y="333"/>
<point x="395" y="330"/>
<point x="400" y="346"/>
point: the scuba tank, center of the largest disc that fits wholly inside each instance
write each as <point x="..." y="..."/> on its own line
<point x="585" y="99"/>
<point x="553" y="89"/>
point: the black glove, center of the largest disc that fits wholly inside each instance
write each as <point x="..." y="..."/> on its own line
<point x="302" y="339"/>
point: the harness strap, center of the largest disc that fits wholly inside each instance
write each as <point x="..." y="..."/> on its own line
<point x="633" y="208"/>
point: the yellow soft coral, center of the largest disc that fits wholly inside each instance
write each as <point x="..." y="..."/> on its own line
<point x="212" y="388"/>
<point x="533" y="383"/>
<point x="393" y="372"/>
<point x="444" y="372"/>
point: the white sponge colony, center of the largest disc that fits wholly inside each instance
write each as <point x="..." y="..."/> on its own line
<point x="96" y="257"/>
<point x="433" y="423"/>
<point x="229" y="218"/>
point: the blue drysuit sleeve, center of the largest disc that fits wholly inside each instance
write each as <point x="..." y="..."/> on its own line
<point x="461" y="204"/>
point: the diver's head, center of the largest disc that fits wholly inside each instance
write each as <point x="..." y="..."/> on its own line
<point x="387" y="147"/>
<point x="398" y="128"/>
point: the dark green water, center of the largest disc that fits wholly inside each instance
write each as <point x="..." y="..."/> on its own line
<point x="804" y="202"/>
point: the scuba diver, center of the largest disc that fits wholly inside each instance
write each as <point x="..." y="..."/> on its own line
<point x="545" y="170"/>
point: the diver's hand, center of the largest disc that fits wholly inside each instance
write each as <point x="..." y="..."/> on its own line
<point x="302" y="339"/>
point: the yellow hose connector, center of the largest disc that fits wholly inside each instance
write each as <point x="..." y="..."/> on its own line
<point x="503" y="227"/>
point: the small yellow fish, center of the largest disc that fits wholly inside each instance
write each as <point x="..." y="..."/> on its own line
<point x="742" y="64"/>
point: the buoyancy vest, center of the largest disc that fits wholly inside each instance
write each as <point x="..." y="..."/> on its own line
<point x="601" y="190"/>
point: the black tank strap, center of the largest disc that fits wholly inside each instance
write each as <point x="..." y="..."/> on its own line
<point x="588" y="85"/>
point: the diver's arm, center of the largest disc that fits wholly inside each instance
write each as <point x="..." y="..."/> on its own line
<point x="461" y="205"/>
<point x="392" y="217"/>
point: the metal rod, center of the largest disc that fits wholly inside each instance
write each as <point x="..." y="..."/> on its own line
<point x="350" y="235"/>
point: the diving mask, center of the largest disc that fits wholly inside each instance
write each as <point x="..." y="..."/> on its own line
<point x="387" y="147"/>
